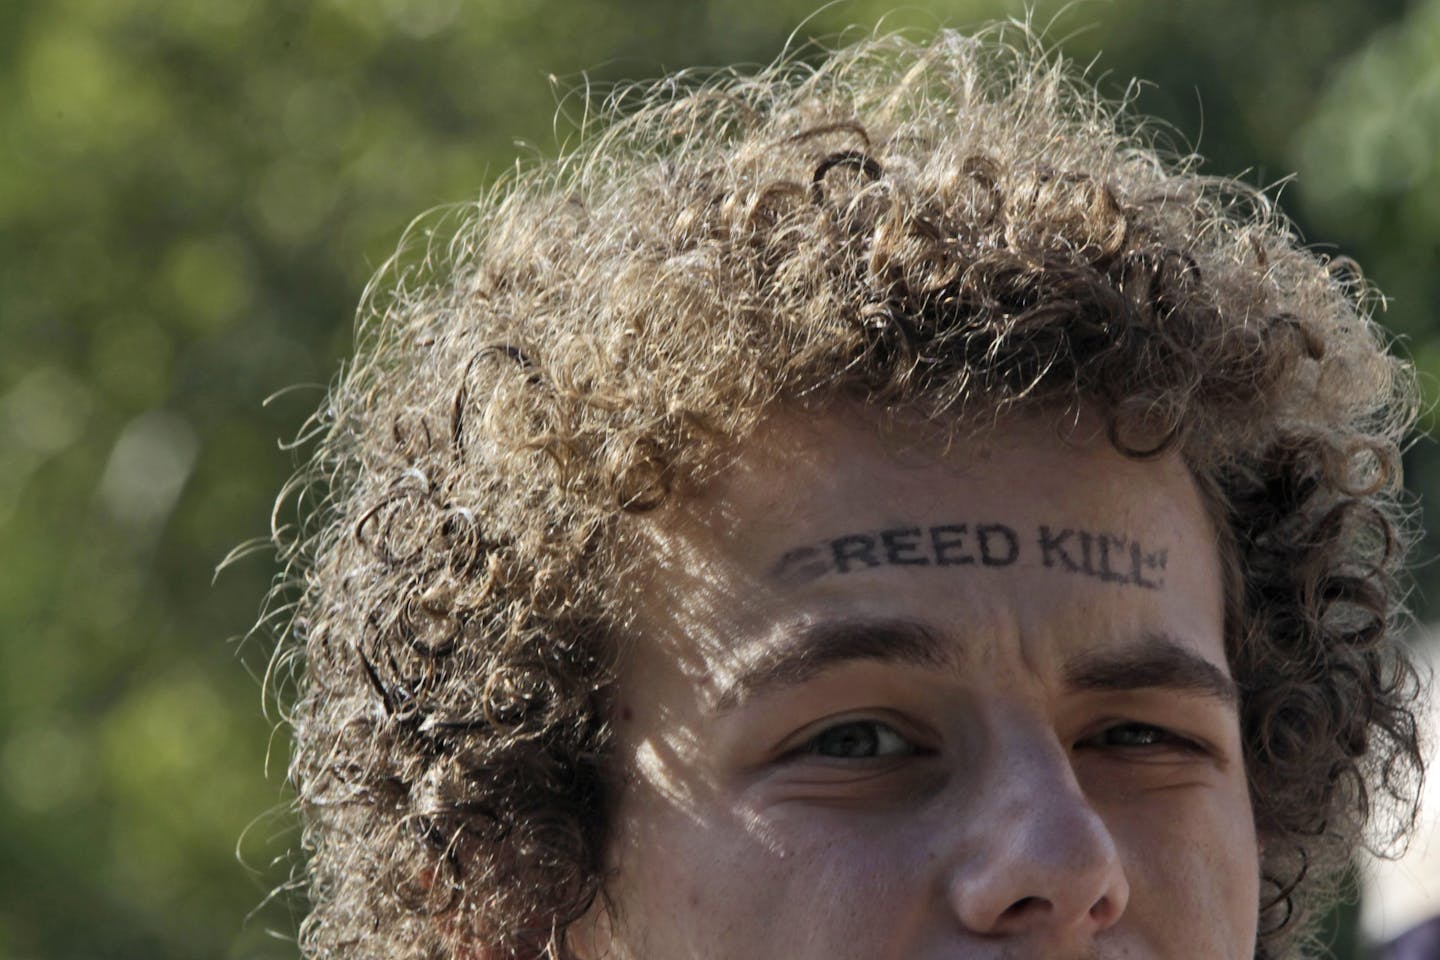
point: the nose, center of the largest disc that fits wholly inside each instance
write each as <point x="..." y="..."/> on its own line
<point x="1039" y="859"/>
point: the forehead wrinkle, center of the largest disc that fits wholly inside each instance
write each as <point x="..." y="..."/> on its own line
<point x="805" y="651"/>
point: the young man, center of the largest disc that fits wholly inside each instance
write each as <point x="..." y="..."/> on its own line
<point x="873" y="510"/>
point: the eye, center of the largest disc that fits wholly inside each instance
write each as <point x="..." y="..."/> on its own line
<point x="1140" y="736"/>
<point x="858" y="740"/>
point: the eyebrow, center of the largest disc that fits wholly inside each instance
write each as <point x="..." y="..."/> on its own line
<point x="1156" y="661"/>
<point x="814" y="648"/>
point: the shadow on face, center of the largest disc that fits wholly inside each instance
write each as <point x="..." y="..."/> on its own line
<point x="892" y="698"/>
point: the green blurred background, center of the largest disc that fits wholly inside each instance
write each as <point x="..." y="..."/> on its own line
<point x="193" y="194"/>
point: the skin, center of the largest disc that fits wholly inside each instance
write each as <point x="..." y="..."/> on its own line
<point x="925" y="760"/>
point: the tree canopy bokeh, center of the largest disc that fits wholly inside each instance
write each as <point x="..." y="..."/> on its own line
<point x="193" y="194"/>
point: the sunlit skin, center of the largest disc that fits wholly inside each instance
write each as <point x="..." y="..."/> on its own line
<point x="887" y="758"/>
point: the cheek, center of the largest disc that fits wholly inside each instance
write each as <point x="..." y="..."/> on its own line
<point x="756" y="885"/>
<point x="1194" y="872"/>
<point x="684" y="876"/>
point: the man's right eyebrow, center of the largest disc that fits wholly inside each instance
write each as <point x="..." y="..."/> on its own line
<point x="814" y="648"/>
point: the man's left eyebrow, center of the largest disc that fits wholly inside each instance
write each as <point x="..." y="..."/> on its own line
<point x="810" y="650"/>
<point x="1157" y="661"/>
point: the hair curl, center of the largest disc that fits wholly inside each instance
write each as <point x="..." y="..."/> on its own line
<point x="957" y="226"/>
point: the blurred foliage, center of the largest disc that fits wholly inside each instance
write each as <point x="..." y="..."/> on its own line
<point x="193" y="195"/>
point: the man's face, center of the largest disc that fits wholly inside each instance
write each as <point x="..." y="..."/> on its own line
<point x="977" y="705"/>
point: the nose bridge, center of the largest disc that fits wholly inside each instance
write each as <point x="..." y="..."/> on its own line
<point x="1042" y="807"/>
<point x="1036" y="853"/>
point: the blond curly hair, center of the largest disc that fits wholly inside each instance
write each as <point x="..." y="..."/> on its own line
<point x="957" y="226"/>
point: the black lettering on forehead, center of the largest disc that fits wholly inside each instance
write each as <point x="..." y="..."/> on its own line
<point x="1104" y="556"/>
<point x="1098" y="554"/>
<point x="801" y="565"/>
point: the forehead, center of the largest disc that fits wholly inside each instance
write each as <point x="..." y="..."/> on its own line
<point x="802" y="467"/>
<point x="1033" y="522"/>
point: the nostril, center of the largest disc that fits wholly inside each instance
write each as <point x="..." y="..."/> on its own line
<point x="1106" y="911"/>
<point x="1026" y="905"/>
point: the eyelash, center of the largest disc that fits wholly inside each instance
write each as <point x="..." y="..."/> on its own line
<point x="1156" y="738"/>
<point x="883" y="736"/>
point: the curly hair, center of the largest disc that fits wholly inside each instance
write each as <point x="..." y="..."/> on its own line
<point x="958" y="226"/>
